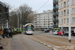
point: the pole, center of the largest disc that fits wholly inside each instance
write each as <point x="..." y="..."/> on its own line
<point x="17" y="22"/>
<point x="7" y="24"/>
<point x="69" y="20"/>
<point x="20" y="21"/>
<point x="62" y="24"/>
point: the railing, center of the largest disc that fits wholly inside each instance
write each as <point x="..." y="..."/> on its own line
<point x="56" y="13"/>
<point x="55" y="7"/>
<point x="55" y="1"/>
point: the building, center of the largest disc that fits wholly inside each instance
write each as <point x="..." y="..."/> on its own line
<point x="44" y="20"/>
<point x="64" y="14"/>
<point x="4" y="15"/>
<point x="55" y="13"/>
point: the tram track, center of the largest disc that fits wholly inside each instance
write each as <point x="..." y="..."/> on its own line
<point x="52" y="41"/>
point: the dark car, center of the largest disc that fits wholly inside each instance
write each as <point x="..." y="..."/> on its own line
<point x="73" y="33"/>
<point x="67" y="33"/>
<point x="47" y="30"/>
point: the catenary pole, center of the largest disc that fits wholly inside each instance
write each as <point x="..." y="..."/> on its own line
<point x="69" y="20"/>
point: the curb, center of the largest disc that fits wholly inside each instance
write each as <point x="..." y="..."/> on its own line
<point x="12" y="44"/>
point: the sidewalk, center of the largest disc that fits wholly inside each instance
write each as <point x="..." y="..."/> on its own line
<point x="7" y="43"/>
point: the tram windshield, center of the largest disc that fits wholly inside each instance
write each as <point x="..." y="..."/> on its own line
<point x="29" y="28"/>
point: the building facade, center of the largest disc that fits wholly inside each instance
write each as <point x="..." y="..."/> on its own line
<point x="4" y="14"/>
<point x="55" y="13"/>
<point x="44" y="20"/>
<point x="64" y="14"/>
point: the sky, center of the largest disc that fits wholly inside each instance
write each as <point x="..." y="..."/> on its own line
<point x="35" y="4"/>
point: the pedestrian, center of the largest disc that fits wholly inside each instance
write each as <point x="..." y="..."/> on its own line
<point x="7" y="33"/>
<point x="4" y="32"/>
<point x="1" y="31"/>
<point x="10" y="32"/>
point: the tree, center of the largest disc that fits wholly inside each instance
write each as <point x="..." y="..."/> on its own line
<point x="13" y="19"/>
<point x="25" y="10"/>
<point x="25" y="14"/>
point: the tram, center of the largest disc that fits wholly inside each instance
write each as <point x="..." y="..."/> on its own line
<point x="29" y="28"/>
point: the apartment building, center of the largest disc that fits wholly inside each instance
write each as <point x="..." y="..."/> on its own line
<point x="64" y="14"/>
<point x="44" y="20"/>
<point x="55" y="13"/>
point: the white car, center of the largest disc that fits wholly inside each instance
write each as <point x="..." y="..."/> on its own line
<point x="55" y="33"/>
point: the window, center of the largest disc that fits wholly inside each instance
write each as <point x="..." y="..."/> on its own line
<point x="73" y="1"/>
<point x="68" y="12"/>
<point x="64" y="20"/>
<point x="64" y="12"/>
<point x="67" y="3"/>
<point x="62" y="5"/>
<point x="73" y="19"/>
<point x="67" y="20"/>
<point x="61" y="13"/>
<point x="56" y="5"/>
<point x="73" y="10"/>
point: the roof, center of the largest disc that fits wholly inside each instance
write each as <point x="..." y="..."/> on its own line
<point x="2" y="4"/>
<point x="28" y="24"/>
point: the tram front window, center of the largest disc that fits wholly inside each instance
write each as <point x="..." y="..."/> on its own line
<point x="29" y="28"/>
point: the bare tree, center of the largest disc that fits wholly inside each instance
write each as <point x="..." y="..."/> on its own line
<point x="25" y="14"/>
<point x="25" y="10"/>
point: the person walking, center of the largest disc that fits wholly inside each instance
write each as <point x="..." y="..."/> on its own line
<point x="10" y="32"/>
<point x="1" y="33"/>
<point x="4" y="32"/>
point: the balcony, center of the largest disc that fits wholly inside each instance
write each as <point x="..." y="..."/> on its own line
<point x="54" y="25"/>
<point x="56" y="18"/>
<point x="55" y="14"/>
<point x="55" y="7"/>
<point x="55" y="2"/>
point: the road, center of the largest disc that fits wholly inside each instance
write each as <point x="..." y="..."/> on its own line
<point x="22" y="42"/>
<point x="42" y="41"/>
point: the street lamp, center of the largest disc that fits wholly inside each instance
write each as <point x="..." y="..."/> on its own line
<point x="17" y="20"/>
<point x="20" y="20"/>
<point x="7" y="24"/>
<point x="69" y="20"/>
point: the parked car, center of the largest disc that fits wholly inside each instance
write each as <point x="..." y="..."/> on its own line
<point x="73" y="33"/>
<point x="55" y="32"/>
<point x="47" y="30"/>
<point x="67" y="33"/>
<point x="61" y="33"/>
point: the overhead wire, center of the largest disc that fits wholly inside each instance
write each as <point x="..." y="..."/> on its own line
<point x="42" y="5"/>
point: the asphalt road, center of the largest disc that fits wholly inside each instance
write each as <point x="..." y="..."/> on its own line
<point x="22" y="42"/>
<point x="50" y="34"/>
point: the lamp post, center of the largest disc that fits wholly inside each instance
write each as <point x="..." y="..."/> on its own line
<point x="62" y="24"/>
<point x="7" y="24"/>
<point x="17" y="20"/>
<point x="20" y="21"/>
<point x="69" y="20"/>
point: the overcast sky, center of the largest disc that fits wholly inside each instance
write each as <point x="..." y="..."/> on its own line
<point x="35" y="4"/>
